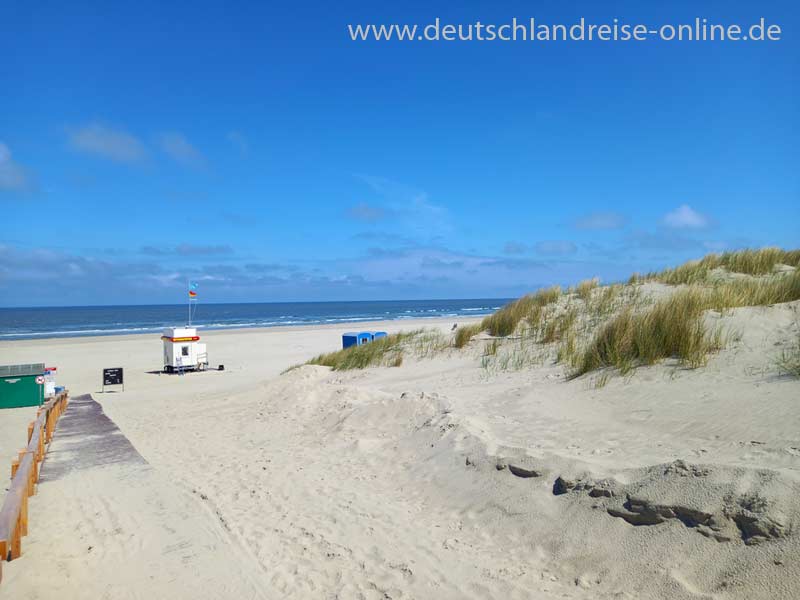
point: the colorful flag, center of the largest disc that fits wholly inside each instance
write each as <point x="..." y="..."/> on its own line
<point x="193" y="285"/>
<point x="192" y="294"/>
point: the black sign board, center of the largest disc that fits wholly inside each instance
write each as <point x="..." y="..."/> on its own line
<point x="113" y="377"/>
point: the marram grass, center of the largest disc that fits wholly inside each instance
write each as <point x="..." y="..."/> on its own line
<point x="748" y="262"/>
<point x="617" y="326"/>
<point x="504" y="322"/>
<point x="674" y="327"/>
<point x="386" y="351"/>
<point x="788" y="362"/>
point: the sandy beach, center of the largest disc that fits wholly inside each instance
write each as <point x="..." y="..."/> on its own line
<point x="563" y="239"/>
<point x="439" y="478"/>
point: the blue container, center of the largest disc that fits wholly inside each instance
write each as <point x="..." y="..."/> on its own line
<point x="349" y="339"/>
<point x="352" y="338"/>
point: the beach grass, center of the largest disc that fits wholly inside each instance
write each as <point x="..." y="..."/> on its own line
<point x="465" y="333"/>
<point x="504" y="322"/>
<point x="385" y="351"/>
<point x="788" y="361"/>
<point x="621" y="327"/>
<point x="585" y="287"/>
<point x="749" y="262"/>
<point x="593" y="327"/>
<point x="674" y="327"/>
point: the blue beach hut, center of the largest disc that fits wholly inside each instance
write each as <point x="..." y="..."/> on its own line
<point x="352" y="338"/>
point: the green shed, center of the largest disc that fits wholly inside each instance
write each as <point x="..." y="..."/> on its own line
<point x="19" y="385"/>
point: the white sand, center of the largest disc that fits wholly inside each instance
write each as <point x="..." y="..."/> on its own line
<point x="395" y="482"/>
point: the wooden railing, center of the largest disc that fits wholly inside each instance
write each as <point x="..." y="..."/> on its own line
<point x="24" y="475"/>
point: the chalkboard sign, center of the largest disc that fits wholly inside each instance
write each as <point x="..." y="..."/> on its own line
<point x="113" y="377"/>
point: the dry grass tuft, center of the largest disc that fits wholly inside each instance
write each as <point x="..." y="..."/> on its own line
<point x="761" y="291"/>
<point x="504" y="322"/>
<point x="387" y="351"/>
<point x="465" y="334"/>
<point x="557" y="327"/>
<point x="672" y="328"/>
<point x="788" y="363"/>
<point x="585" y="287"/>
<point x="748" y="262"/>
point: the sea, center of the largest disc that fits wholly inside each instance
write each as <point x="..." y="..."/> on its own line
<point x="80" y="321"/>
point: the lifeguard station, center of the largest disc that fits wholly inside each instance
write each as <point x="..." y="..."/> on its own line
<point x="183" y="350"/>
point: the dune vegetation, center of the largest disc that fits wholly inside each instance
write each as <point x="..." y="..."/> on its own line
<point x="788" y="362"/>
<point x="747" y="262"/>
<point x="671" y="328"/>
<point x="386" y="351"/>
<point x="588" y="327"/>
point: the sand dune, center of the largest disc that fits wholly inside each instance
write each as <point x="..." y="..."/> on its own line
<point x="439" y="478"/>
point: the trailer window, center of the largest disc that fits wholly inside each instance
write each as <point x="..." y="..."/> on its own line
<point x="184" y="350"/>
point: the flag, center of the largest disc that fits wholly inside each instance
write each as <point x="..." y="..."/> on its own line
<point x="193" y="285"/>
<point x="192" y="294"/>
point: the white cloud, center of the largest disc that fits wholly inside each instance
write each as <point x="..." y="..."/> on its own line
<point x="178" y="147"/>
<point x="12" y="175"/>
<point x="113" y="144"/>
<point x="685" y="217"/>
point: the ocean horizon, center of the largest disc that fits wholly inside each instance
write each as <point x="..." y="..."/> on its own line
<point x="18" y="323"/>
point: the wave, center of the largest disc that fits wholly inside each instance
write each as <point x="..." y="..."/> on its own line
<point x="143" y="322"/>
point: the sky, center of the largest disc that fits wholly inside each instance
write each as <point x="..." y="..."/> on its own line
<point x="255" y="149"/>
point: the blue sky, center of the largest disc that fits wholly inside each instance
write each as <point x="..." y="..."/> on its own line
<point x="254" y="148"/>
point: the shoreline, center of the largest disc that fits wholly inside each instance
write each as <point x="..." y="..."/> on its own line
<point x="344" y="326"/>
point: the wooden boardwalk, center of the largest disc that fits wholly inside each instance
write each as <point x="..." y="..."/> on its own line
<point x="86" y="438"/>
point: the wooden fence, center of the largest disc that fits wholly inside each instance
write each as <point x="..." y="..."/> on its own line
<point x="24" y="475"/>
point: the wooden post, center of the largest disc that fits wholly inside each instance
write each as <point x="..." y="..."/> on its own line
<point x="23" y="517"/>
<point x="29" y="482"/>
<point x="34" y="476"/>
<point x="16" y="540"/>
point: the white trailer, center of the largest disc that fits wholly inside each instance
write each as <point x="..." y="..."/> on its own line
<point x="183" y="350"/>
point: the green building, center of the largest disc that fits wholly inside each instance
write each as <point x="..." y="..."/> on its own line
<point x="21" y="385"/>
